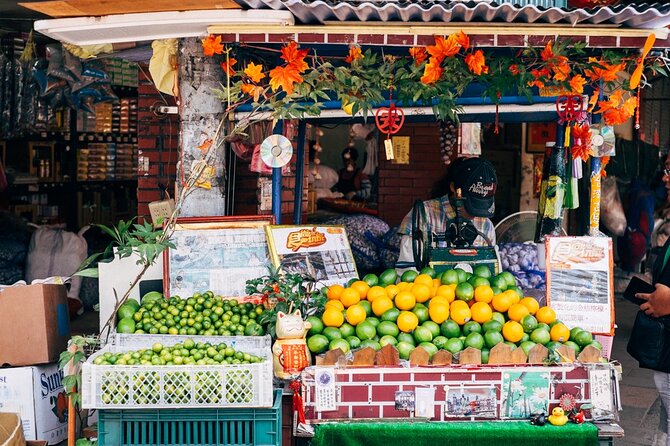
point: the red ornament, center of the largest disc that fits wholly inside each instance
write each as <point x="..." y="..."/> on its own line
<point x="567" y="402"/>
<point x="578" y="417"/>
<point x="389" y="119"/>
<point x="570" y="108"/>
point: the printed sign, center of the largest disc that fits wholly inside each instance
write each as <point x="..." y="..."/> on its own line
<point x="322" y="252"/>
<point x="580" y="285"/>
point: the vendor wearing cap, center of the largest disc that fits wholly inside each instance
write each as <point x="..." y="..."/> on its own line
<point x="477" y="180"/>
<point x="352" y="183"/>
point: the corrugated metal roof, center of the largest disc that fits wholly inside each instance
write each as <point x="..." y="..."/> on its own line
<point x="640" y="16"/>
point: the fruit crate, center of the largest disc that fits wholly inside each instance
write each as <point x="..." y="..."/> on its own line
<point x="186" y="427"/>
<point x="179" y="386"/>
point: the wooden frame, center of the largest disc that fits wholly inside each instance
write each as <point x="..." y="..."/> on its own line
<point x="217" y="254"/>
<point x="41" y="150"/>
<point x="539" y="133"/>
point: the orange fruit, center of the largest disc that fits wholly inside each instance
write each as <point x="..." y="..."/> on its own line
<point x="362" y="287"/>
<point x="559" y="333"/>
<point x="513" y="296"/>
<point x="481" y="312"/>
<point x="513" y="331"/>
<point x="350" y="297"/>
<point x="438" y="312"/>
<point x="531" y="304"/>
<point x="355" y="314"/>
<point x="402" y="286"/>
<point x="407" y="321"/>
<point x="439" y="300"/>
<point x="516" y="312"/>
<point x="483" y="293"/>
<point x="458" y="304"/>
<point x="446" y="291"/>
<point x="334" y="291"/>
<point x="405" y="300"/>
<point x="421" y="292"/>
<point x="332" y="317"/>
<point x="392" y="290"/>
<point x="545" y="315"/>
<point x="460" y="314"/>
<point x="424" y="279"/>
<point x="335" y="304"/>
<point x="375" y="292"/>
<point x="501" y="302"/>
<point x="437" y="283"/>
<point x="381" y="305"/>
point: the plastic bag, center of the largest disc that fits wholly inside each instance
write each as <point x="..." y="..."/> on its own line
<point x="612" y="214"/>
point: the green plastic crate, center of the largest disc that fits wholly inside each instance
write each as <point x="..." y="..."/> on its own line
<point x="186" y="427"/>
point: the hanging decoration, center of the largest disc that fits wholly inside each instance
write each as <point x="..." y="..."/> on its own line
<point x="390" y="119"/>
<point x="448" y="141"/>
<point x="318" y="133"/>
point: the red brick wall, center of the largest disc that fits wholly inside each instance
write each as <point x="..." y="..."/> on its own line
<point x="400" y="185"/>
<point x="149" y="127"/>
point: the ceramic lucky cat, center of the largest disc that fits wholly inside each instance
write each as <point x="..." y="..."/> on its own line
<point x="290" y="351"/>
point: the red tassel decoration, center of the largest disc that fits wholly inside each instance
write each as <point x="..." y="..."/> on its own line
<point x="298" y="405"/>
<point x="637" y="111"/>
<point x="496" y="130"/>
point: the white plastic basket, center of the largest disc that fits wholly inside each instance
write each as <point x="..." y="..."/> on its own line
<point x="179" y="386"/>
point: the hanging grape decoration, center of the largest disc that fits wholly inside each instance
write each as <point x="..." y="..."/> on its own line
<point x="448" y="140"/>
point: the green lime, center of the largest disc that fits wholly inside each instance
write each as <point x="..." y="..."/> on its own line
<point x="422" y="334"/>
<point x="482" y="271"/>
<point x="332" y="333"/>
<point x="597" y="345"/>
<point x="354" y="342"/>
<point x="429" y="270"/>
<point x="253" y="329"/>
<point x="476" y="281"/>
<point x="421" y="313"/>
<point x="391" y="315"/>
<point x="527" y="346"/>
<point x="371" y="279"/>
<point x="556" y="321"/>
<point x="509" y="279"/>
<point x="572" y="345"/>
<point x="574" y="331"/>
<point x="474" y="340"/>
<point x="428" y="347"/>
<point x="498" y="282"/>
<point x="553" y="345"/>
<point x="471" y="327"/>
<point x="440" y="342"/>
<point x="318" y="343"/>
<point x="406" y="337"/>
<point x="150" y="298"/>
<point x="540" y="336"/>
<point x="454" y="345"/>
<point x="157" y="347"/>
<point x="449" y="276"/>
<point x="126" y="325"/>
<point x="492" y="325"/>
<point x="347" y="330"/>
<point x="409" y="276"/>
<point x="544" y="326"/>
<point x="387" y="339"/>
<point x="388" y="277"/>
<point x="317" y="325"/>
<point x="404" y="349"/>
<point x="341" y="344"/>
<point x="387" y="328"/>
<point x="365" y="330"/>
<point x="518" y="291"/>
<point x="485" y="356"/>
<point x="450" y="329"/>
<point x="352" y="280"/>
<point x="583" y="338"/>
<point x="529" y="323"/>
<point x="371" y="343"/>
<point x="524" y="338"/>
<point x="496" y="316"/>
<point x="126" y="311"/>
<point x="462" y="275"/>
<point x="373" y="320"/>
<point x="367" y="306"/>
<point x="465" y="291"/>
<point x="493" y="338"/>
<point x="433" y="327"/>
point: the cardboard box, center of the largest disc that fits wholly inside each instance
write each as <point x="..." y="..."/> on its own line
<point x="37" y="394"/>
<point x="11" y="433"/>
<point x="34" y="324"/>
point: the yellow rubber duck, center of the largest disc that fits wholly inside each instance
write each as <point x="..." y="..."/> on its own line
<point x="557" y="417"/>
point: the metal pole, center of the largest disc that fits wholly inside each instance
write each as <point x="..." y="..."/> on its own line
<point x="299" y="173"/>
<point x="276" y="180"/>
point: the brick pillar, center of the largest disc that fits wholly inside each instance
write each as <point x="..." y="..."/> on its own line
<point x="162" y="165"/>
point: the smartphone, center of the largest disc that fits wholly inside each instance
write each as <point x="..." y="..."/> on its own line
<point x="637" y="285"/>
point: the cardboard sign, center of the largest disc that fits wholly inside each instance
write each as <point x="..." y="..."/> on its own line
<point x="580" y="286"/>
<point x="322" y="252"/>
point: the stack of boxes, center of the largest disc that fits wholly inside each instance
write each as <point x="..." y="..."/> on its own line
<point x="122" y="73"/>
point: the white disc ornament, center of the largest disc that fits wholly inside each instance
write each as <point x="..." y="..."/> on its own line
<point x="276" y="151"/>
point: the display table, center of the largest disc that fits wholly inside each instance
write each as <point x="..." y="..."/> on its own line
<point x="500" y="433"/>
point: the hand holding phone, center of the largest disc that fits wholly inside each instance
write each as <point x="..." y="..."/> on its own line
<point x="637" y="285"/>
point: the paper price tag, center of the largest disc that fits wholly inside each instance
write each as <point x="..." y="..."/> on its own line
<point x="388" y="145"/>
<point x="325" y="389"/>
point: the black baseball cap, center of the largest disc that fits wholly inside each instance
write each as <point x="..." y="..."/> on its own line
<point x="476" y="177"/>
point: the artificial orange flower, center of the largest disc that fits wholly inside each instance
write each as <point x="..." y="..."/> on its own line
<point x="547" y="53"/>
<point x="540" y="75"/>
<point x="561" y="68"/>
<point x="252" y="90"/>
<point x="463" y="40"/>
<point x="616" y="110"/>
<point x="284" y="77"/>
<point x="594" y="99"/>
<point x="295" y="57"/>
<point x="204" y="147"/>
<point x="419" y="54"/>
<point x="443" y="48"/>
<point x="581" y="134"/>
<point x="228" y="65"/>
<point x="255" y="72"/>
<point x="602" y="70"/>
<point x="212" y="45"/>
<point x="577" y="84"/>
<point x="432" y="72"/>
<point x="476" y="63"/>
<point x="354" y="54"/>
<point x="514" y="69"/>
<point x="604" y="161"/>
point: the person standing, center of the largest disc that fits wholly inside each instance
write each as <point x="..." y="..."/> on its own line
<point x="352" y="183"/>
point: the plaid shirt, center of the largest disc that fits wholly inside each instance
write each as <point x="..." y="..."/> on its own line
<point x="438" y="212"/>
